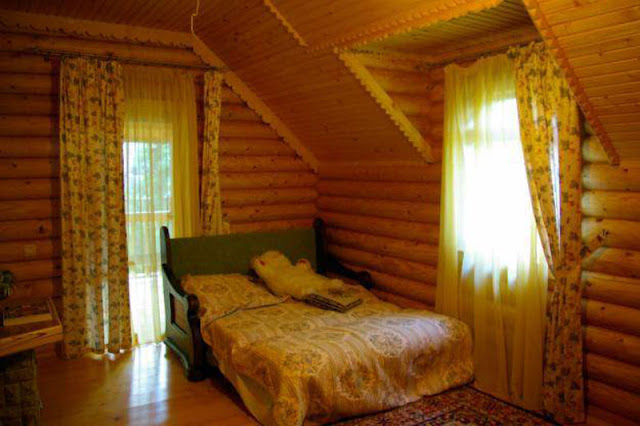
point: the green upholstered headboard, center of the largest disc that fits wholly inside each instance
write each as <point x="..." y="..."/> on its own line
<point x="225" y="254"/>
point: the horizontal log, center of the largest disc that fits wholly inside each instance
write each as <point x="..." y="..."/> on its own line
<point x="436" y="93"/>
<point x="402" y="81"/>
<point x="23" y="104"/>
<point x="238" y="112"/>
<point x="612" y="289"/>
<point x="18" y="251"/>
<point x="29" y="189"/>
<point x="615" y="373"/>
<point x="592" y="150"/>
<point x="612" y="261"/>
<point x="597" y="416"/>
<point x="346" y="171"/>
<point x="402" y="249"/>
<point x="411" y="104"/>
<point x="611" y="204"/>
<point x="620" y="346"/>
<point x="20" y="63"/>
<point x="436" y="132"/>
<point x="240" y="146"/>
<point x="34" y="147"/>
<point x="612" y="316"/>
<point x="34" y="269"/>
<point x="387" y="62"/>
<point x="414" y="290"/>
<point x="422" y="125"/>
<point x="437" y="73"/>
<point x="263" y="213"/>
<point x="271" y="225"/>
<point x="29" y="209"/>
<point x="29" y="229"/>
<point x="621" y="233"/>
<point x="385" y="264"/>
<point x="246" y="129"/>
<point x="400" y="301"/>
<point x="51" y="287"/>
<point x="27" y="43"/>
<point x="29" y="168"/>
<point x="35" y="84"/>
<point x="250" y="164"/>
<point x="28" y="125"/>
<point x="616" y="400"/>
<point x="611" y="178"/>
<point x="267" y="180"/>
<point x="256" y="197"/>
<point x="402" y="191"/>
<point x="400" y="229"/>
<point x="402" y="210"/>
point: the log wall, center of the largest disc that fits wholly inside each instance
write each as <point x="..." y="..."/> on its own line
<point x="611" y="277"/>
<point x="264" y="184"/>
<point x="385" y="218"/>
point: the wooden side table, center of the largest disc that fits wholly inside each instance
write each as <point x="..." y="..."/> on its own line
<point x="19" y="400"/>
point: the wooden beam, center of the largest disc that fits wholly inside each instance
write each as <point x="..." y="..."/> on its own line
<point x="383" y="99"/>
<point x="35" y="22"/>
<point x="285" y="23"/>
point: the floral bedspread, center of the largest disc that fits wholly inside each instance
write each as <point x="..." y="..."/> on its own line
<point x="293" y="363"/>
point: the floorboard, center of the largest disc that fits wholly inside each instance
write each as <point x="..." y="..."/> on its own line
<point x="143" y="387"/>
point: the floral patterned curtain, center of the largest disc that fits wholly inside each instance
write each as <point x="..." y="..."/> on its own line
<point x="550" y="133"/>
<point x="94" y="247"/>
<point x="211" y="218"/>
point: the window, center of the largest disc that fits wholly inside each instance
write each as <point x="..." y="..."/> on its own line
<point x="492" y="272"/>
<point x="148" y="207"/>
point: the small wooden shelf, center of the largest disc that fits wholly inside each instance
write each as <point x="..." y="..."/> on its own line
<point x="20" y="338"/>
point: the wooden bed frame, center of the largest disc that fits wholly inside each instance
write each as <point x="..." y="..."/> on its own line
<point x="228" y="254"/>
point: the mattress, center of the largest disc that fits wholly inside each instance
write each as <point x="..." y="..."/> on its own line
<point x="293" y="363"/>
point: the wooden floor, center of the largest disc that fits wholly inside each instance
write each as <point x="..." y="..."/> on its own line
<point x="145" y="386"/>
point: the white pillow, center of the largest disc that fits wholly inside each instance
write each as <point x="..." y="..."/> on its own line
<point x="285" y="279"/>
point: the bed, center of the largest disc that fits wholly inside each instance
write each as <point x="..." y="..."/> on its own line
<point x="291" y="362"/>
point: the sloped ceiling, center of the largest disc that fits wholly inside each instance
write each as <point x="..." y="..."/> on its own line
<point x="597" y="42"/>
<point x="284" y="50"/>
<point x="312" y="91"/>
<point x="263" y="41"/>
<point x="171" y="15"/>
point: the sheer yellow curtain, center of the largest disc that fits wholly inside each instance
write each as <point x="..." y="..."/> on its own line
<point x="492" y="272"/>
<point x="161" y="181"/>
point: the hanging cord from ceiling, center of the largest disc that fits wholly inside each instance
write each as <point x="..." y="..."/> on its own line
<point x="194" y="15"/>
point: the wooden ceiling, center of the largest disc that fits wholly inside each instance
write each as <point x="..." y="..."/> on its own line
<point x="171" y="15"/>
<point x="311" y="90"/>
<point x="477" y="32"/>
<point x="346" y="23"/>
<point x="597" y="42"/>
<point x="284" y="51"/>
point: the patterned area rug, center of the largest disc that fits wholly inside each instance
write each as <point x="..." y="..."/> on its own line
<point x="462" y="406"/>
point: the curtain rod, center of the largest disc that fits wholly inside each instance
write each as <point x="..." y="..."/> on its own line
<point x="51" y="52"/>
<point x="490" y="52"/>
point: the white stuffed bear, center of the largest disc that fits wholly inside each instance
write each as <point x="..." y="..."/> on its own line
<point x="297" y="281"/>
